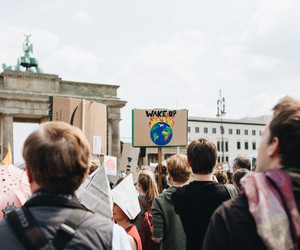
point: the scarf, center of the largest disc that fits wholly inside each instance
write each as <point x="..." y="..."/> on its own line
<point x="273" y="207"/>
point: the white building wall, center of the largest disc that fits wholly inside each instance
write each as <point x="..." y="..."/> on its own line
<point x="210" y="128"/>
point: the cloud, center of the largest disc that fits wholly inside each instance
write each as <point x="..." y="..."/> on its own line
<point x="170" y="63"/>
<point x="271" y="14"/>
<point x="73" y="64"/>
<point x="83" y="16"/>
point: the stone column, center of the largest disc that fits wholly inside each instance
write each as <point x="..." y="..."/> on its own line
<point x="7" y="134"/>
<point x="115" y="136"/>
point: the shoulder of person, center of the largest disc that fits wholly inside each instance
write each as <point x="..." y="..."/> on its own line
<point x="94" y="219"/>
<point x="238" y="203"/>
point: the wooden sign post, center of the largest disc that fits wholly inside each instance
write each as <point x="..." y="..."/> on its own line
<point x="160" y="170"/>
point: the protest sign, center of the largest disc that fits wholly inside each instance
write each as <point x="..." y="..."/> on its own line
<point x="89" y="116"/>
<point x="159" y="128"/>
<point x="110" y="164"/>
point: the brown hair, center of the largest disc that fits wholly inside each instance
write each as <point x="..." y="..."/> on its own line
<point x="58" y="156"/>
<point x="242" y="162"/>
<point x="221" y="176"/>
<point x="285" y="125"/>
<point x="178" y="168"/>
<point x="147" y="181"/>
<point x="202" y="156"/>
<point x="238" y="175"/>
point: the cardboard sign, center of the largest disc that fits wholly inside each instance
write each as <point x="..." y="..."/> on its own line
<point x="159" y="128"/>
<point x="129" y="152"/>
<point x="89" y="116"/>
<point x="110" y="165"/>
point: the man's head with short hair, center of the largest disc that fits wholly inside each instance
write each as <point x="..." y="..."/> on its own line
<point x="238" y="175"/>
<point x="285" y="125"/>
<point x="241" y="162"/>
<point x="202" y="156"/>
<point x="280" y="139"/>
<point x="178" y="168"/>
<point x="58" y="156"/>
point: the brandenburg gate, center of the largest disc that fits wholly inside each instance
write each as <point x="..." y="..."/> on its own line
<point x="24" y="97"/>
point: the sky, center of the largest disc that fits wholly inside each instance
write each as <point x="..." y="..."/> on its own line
<point x="165" y="53"/>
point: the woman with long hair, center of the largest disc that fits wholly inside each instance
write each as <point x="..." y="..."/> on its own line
<point x="147" y="188"/>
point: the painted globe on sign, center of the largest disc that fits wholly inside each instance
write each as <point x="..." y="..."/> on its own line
<point x="161" y="133"/>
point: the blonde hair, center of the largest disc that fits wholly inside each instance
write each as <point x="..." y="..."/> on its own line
<point x="148" y="184"/>
<point x="178" y="168"/>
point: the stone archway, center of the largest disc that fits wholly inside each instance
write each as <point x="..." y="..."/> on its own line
<point x="24" y="97"/>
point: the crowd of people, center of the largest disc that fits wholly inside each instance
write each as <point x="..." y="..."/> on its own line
<point x="200" y="207"/>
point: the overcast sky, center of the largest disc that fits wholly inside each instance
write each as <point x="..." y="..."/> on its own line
<point x="165" y="53"/>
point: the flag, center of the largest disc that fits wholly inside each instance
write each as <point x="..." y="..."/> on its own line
<point x="8" y="158"/>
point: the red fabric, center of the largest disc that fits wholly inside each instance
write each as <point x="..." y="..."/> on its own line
<point x="132" y="230"/>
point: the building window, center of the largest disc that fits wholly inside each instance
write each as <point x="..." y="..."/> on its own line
<point x="196" y="129"/>
<point x="218" y="145"/>
<point x="222" y="146"/>
<point x="227" y="159"/>
<point x="238" y="131"/>
<point x="259" y="132"/>
<point x="246" y="132"/>
<point x="238" y="145"/>
<point x="254" y="145"/>
<point x="189" y="129"/>
<point x="226" y="146"/>
<point x="246" y="145"/>
<point x="253" y="132"/>
<point x="222" y="130"/>
<point x="205" y="130"/>
<point x="152" y="158"/>
<point x="214" y="130"/>
<point x="230" y="131"/>
<point x="218" y="158"/>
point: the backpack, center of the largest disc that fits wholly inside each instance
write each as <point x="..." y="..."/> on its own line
<point x="146" y="230"/>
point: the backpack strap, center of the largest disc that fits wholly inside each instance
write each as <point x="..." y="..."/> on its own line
<point x="31" y="235"/>
<point x="143" y="204"/>
<point x="67" y="230"/>
<point x="26" y="229"/>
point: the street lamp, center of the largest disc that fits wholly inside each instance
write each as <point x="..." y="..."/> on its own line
<point x="220" y="112"/>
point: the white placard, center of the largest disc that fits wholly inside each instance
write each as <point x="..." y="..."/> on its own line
<point x="110" y="164"/>
<point x="96" y="145"/>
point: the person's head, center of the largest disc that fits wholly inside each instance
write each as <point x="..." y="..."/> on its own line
<point x="229" y="176"/>
<point x="120" y="217"/>
<point x="238" y="175"/>
<point x="241" y="162"/>
<point x="94" y="165"/>
<point x="202" y="156"/>
<point x="146" y="185"/>
<point x="178" y="169"/>
<point x="280" y="142"/>
<point x="57" y="157"/>
<point x="221" y="176"/>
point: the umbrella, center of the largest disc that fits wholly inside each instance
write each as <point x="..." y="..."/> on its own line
<point x="14" y="188"/>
